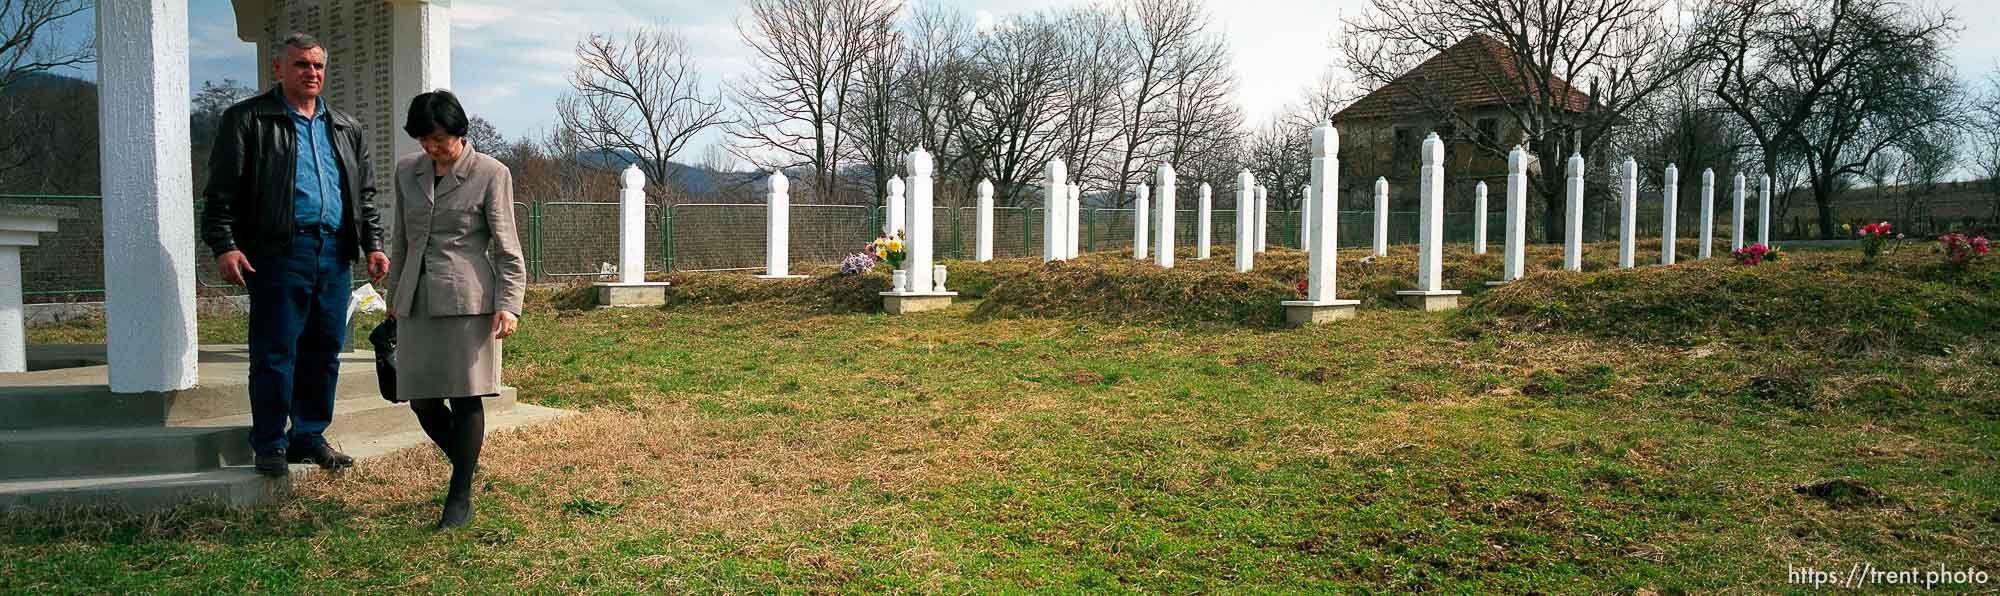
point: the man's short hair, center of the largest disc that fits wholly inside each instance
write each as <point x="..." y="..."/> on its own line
<point x="296" y="39"/>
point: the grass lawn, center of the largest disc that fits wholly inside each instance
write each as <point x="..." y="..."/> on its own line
<point x="752" y="447"/>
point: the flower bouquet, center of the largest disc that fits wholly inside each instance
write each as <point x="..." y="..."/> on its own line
<point x="888" y="249"/>
<point x="1959" y="250"/>
<point x="1873" y="236"/>
<point x="858" y="263"/>
<point x="1755" y="254"/>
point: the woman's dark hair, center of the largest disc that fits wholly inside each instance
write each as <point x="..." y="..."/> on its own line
<point x="435" y="110"/>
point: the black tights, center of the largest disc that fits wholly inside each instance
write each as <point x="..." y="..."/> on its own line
<point x="459" y="431"/>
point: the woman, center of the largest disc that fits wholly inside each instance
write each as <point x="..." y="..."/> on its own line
<point x="459" y="276"/>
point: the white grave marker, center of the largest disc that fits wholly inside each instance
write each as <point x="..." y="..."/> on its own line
<point x="1430" y="294"/>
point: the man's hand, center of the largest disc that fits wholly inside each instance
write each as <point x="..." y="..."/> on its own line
<point x="503" y="324"/>
<point x="378" y="266"/>
<point x="233" y="266"/>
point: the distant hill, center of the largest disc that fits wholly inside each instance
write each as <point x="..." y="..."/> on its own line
<point x="42" y="81"/>
<point x="680" y="177"/>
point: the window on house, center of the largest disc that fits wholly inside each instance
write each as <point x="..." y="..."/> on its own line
<point x="1405" y="145"/>
<point x="1489" y="131"/>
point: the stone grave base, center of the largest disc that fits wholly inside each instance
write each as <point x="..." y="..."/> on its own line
<point x="651" y="293"/>
<point x="899" y="303"/>
<point x="1299" y="313"/>
<point x="1431" y="301"/>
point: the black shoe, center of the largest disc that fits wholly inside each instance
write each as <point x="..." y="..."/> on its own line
<point x="274" y="464"/>
<point x="322" y="454"/>
<point x="457" y="513"/>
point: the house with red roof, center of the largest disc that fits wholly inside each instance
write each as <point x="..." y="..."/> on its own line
<point x="1468" y="94"/>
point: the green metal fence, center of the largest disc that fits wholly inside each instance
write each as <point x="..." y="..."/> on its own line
<point x="579" y="240"/>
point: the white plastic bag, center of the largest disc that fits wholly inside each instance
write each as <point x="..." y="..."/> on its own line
<point x="365" y="299"/>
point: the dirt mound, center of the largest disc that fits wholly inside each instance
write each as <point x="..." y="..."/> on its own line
<point x="1824" y="303"/>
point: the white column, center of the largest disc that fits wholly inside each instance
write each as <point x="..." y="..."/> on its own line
<point x="1381" y="217"/>
<point x="777" y="228"/>
<point x="1628" y="212"/>
<point x="18" y="228"/>
<point x="918" y="265"/>
<point x="1479" y="218"/>
<point x="1263" y="216"/>
<point x="1323" y="228"/>
<point x="1305" y="219"/>
<point x="1764" y="213"/>
<point x="892" y="218"/>
<point x="1203" y="210"/>
<point x="149" y="261"/>
<point x="631" y="225"/>
<point x="1055" y="205"/>
<point x="1246" y="216"/>
<point x="1163" y="251"/>
<point x="13" y="330"/>
<point x="1141" y="216"/>
<point x="1670" y="208"/>
<point x="420" y="61"/>
<point x="1736" y="215"/>
<point x="1074" y="220"/>
<point x="1573" y="215"/>
<point x="982" y="250"/>
<point x="1430" y="217"/>
<point x="1707" y="214"/>
<point x="1517" y="214"/>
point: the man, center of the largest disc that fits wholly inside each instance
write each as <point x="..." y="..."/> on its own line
<point x="290" y="205"/>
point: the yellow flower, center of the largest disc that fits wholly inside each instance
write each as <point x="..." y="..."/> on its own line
<point x="896" y="245"/>
<point x="1846" y="227"/>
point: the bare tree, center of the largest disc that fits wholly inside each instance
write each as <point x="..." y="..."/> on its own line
<point x="486" y="138"/>
<point x="1021" y="69"/>
<point x="1201" y="104"/>
<point x="1279" y="156"/>
<point x="641" y="98"/>
<point x="808" y="56"/>
<point x="1095" y="68"/>
<point x="1933" y="155"/>
<point x="936" y="91"/>
<point x="1550" y="51"/>
<point x="1832" y="81"/>
<point x="556" y="167"/>
<point x="874" y="127"/>
<point x="1986" y="139"/>
<point x="1684" y="125"/>
<point x="205" y="118"/>
<point x="1173" y="57"/>
<point x="31" y="44"/>
<point x="1329" y="93"/>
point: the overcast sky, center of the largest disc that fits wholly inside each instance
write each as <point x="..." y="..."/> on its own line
<point x="510" y="57"/>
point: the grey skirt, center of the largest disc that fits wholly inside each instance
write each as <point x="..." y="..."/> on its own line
<point x="440" y="357"/>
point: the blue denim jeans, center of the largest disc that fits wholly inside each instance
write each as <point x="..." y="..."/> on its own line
<point x="298" y="322"/>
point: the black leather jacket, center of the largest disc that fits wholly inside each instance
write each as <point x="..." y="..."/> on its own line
<point x="248" y="202"/>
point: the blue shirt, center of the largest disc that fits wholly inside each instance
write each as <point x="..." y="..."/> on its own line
<point x="316" y="174"/>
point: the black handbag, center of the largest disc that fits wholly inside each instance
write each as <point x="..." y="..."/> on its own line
<point x="384" y="340"/>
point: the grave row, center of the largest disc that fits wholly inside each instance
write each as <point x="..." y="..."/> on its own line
<point x="919" y="285"/>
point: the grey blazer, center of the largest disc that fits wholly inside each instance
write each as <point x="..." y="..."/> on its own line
<point x="461" y="230"/>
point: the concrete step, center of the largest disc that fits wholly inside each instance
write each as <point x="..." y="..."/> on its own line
<point x="193" y="446"/>
<point x="238" y="486"/>
<point x="46" y="398"/>
<point x="235" y="485"/>
<point x="72" y="451"/>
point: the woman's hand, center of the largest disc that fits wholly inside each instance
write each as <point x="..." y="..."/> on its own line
<point x="503" y="324"/>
